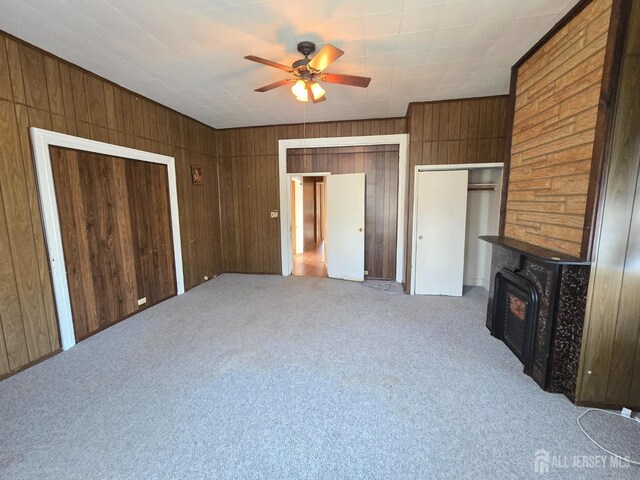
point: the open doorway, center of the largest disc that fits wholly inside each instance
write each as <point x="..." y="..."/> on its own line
<point x="366" y="176"/>
<point x="308" y="225"/>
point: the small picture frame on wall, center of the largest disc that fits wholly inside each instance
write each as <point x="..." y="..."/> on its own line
<point x="196" y="175"/>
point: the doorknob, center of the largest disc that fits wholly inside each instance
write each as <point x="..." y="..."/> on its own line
<point x="361" y="229"/>
<point x="420" y="237"/>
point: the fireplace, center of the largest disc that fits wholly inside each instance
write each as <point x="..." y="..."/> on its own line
<point x="537" y="302"/>
<point x="515" y="313"/>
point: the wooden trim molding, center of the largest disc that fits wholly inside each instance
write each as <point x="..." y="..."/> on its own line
<point x="508" y="138"/>
<point x="326" y="122"/>
<point x="449" y="100"/>
<point x="42" y="140"/>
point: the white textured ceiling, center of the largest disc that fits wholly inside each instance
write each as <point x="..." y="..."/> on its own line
<point x="188" y="54"/>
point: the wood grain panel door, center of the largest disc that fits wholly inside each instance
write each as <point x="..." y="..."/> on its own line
<point x="116" y="234"/>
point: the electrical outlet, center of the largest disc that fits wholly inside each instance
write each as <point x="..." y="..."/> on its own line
<point x="274" y="213"/>
<point x="206" y="278"/>
<point x="366" y="272"/>
<point x="142" y="301"/>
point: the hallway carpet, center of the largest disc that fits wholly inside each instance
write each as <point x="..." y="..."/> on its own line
<point x="272" y="377"/>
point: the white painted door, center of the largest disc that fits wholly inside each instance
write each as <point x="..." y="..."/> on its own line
<point x="440" y="232"/>
<point x="344" y="240"/>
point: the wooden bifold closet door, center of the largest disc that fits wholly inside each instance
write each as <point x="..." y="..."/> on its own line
<point x="116" y="234"/>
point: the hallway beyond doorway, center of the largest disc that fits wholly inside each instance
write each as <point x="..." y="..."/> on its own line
<point x="310" y="263"/>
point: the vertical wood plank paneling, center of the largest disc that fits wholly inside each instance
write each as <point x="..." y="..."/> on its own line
<point x="251" y="239"/>
<point x="148" y="205"/>
<point x="115" y="225"/>
<point x="14" y="337"/>
<point x="452" y="132"/>
<point x="626" y="339"/>
<point x="67" y="92"/>
<point x="30" y="117"/>
<point x="40" y="90"/>
<point x="53" y="86"/>
<point x="34" y="78"/>
<point x="15" y="70"/>
<point x="78" y="265"/>
<point x="79" y="92"/>
<point x="20" y="233"/>
<point x="610" y="359"/>
<point x="5" y="79"/>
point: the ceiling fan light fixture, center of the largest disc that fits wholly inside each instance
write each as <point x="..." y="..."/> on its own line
<point x="318" y="91"/>
<point x="299" y="89"/>
<point x="306" y="71"/>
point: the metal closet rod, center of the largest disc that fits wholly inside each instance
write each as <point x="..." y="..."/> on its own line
<point x="483" y="186"/>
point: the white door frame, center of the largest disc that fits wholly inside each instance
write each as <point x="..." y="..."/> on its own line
<point x="41" y="141"/>
<point x="427" y="168"/>
<point x="285" y="195"/>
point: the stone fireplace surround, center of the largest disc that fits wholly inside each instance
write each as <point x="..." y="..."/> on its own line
<point x="561" y="283"/>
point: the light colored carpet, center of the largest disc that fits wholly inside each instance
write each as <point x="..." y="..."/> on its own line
<point x="272" y="377"/>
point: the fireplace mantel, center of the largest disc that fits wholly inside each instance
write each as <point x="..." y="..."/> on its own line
<point x="533" y="251"/>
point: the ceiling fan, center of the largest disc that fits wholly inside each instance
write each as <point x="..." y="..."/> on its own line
<point x="308" y="72"/>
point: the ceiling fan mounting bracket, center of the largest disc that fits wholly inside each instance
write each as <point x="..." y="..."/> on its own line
<point x="300" y="63"/>
<point x="306" y="48"/>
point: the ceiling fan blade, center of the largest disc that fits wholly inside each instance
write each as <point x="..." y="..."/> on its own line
<point x="271" y="86"/>
<point x="325" y="57"/>
<point x="352" y="80"/>
<point x="269" y="63"/>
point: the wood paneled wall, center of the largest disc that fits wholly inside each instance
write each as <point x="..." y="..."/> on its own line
<point x="610" y="357"/>
<point x="557" y="98"/>
<point x="380" y="165"/>
<point x="453" y="132"/>
<point x="40" y="90"/>
<point x="115" y="221"/>
<point x="248" y="162"/>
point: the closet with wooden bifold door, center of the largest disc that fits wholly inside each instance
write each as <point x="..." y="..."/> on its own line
<point x="115" y="222"/>
<point x="453" y="206"/>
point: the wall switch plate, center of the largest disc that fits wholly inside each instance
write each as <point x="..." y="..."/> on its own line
<point x="274" y="213"/>
<point x="142" y="301"/>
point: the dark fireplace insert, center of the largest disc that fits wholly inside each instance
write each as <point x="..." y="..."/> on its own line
<point x="536" y="306"/>
<point x="515" y="315"/>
